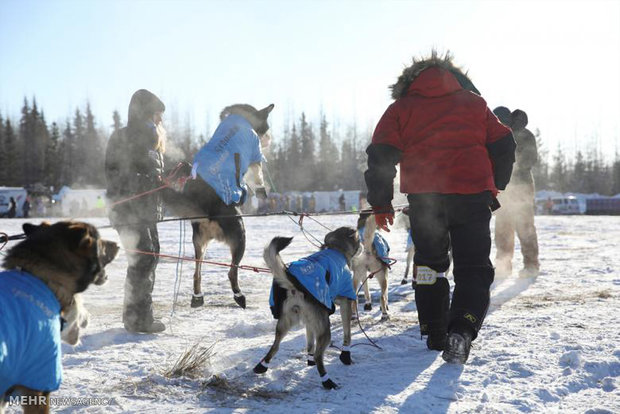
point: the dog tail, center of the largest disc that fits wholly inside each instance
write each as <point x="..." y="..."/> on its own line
<point x="275" y="262"/>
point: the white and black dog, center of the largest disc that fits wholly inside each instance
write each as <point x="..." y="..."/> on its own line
<point x="374" y="260"/>
<point x="305" y="292"/>
<point x="218" y="188"/>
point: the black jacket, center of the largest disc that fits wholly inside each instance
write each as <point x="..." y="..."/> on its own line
<point x="134" y="165"/>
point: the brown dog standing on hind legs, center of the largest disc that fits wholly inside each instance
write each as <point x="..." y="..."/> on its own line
<point x="44" y="273"/>
<point x="218" y="188"/>
<point x="373" y="260"/>
<point x="306" y="291"/>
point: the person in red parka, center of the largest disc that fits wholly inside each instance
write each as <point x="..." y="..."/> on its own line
<point x="454" y="156"/>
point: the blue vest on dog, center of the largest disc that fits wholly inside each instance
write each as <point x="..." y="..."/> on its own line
<point x="30" y="351"/>
<point x="310" y="272"/>
<point x="409" y="241"/>
<point x="380" y="244"/>
<point x="223" y="161"/>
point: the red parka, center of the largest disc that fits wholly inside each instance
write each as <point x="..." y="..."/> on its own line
<point x="445" y="138"/>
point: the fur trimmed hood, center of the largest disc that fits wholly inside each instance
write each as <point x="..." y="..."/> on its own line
<point x="411" y="73"/>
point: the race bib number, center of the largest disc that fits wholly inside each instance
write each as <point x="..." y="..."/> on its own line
<point x="427" y="276"/>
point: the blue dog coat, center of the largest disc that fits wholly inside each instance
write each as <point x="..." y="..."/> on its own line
<point x="30" y="351"/>
<point x="223" y="161"/>
<point x="380" y="244"/>
<point x="311" y="274"/>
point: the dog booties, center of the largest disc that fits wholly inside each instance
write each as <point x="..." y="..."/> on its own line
<point x="324" y="275"/>
<point x="223" y="161"/>
<point x="380" y="244"/>
<point x="30" y="350"/>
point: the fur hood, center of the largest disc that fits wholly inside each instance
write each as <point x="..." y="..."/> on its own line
<point x="402" y="85"/>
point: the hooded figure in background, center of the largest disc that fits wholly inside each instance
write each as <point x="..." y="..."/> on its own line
<point x="133" y="166"/>
<point x="454" y="155"/>
<point x="517" y="212"/>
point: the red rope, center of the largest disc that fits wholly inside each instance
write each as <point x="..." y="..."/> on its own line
<point x="169" y="256"/>
<point x="389" y="266"/>
<point x="168" y="182"/>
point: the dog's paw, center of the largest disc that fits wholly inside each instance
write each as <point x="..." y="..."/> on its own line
<point x="367" y="306"/>
<point x="345" y="357"/>
<point x="330" y="385"/>
<point x="260" y="368"/>
<point x="310" y="360"/>
<point x="385" y="317"/>
<point x="403" y="282"/>
<point x="197" y="301"/>
<point x="240" y="299"/>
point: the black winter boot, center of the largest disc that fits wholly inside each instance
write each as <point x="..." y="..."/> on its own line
<point x="457" y="349"/>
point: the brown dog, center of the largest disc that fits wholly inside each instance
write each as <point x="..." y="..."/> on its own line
<point x="44" y="273"/>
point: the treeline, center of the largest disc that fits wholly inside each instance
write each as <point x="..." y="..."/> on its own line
<point x="303" y="157"/>
<point x="310" y="158"/>
<point x="583" y="173"/>
<point x="39" y="156"/>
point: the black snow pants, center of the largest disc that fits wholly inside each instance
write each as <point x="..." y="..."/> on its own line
<point x="138" y="303"/>
<point x="460" y="222"/>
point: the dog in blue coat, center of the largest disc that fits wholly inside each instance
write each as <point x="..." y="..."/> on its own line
<point x="44" y="273"/>
<point x="307" y="290"/>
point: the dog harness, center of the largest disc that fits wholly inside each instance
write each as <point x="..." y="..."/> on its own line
<point x="223" y="161"/>
<point x="324" y="275"/>
<point x="380" y="244"/>
<point x="30" y="350"/>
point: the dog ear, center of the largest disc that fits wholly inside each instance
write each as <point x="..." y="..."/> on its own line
<point x="30" y="229"/>
<point x="79" y="237"/>
<point x="264" y="113"/>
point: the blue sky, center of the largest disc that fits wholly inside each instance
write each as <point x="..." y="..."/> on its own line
<point x="557" y="60"/>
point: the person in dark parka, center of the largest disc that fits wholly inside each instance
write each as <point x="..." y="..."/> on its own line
<point x="134" y="165"/>
<point x="454" y="155"/>
<point x="517" y="212"/>
<point x="12" y="212"/>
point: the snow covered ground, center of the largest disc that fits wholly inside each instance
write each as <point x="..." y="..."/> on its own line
<point x="547" y="345"/>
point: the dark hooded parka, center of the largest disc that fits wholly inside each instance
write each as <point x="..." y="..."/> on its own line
<point x="133" y="166"/>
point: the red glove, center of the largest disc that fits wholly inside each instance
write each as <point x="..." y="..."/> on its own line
<point x="383" y="217"/>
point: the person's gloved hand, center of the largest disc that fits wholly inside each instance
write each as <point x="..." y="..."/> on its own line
<point x="383" y="216"/>
<point x="261" y="193"/>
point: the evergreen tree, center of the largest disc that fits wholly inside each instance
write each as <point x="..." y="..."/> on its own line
<point x="541" y="169"/>
<point x="53" y="159"/>
<point x="327" y="159"/>
<point x="116" y="119"/>
<point x="558" y="172"/>
<point x="94" y="172"/>
<point x="293" y="160"/>
<point x="42" y="137"/>
<point x="615" y="175"/>
<point x="69" y="156"/>
<point x="13" y="167"/>
<point x="80" y="149"/>
<point x="25" y="144"/>
<point x="3" y="158"/>
<point x="578" y="175"/>
<point x="307" y="159"/>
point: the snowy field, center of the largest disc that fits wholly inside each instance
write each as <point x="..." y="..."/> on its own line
<point x="548" y="345"/>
